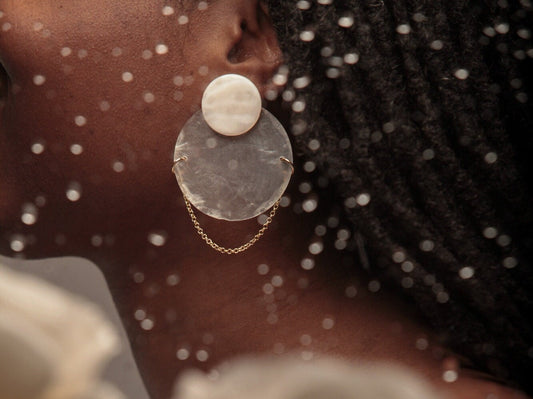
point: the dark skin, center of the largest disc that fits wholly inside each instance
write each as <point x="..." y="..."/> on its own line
<point x="220" y="304"/>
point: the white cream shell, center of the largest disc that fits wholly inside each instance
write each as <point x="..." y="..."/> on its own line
<point x="231" y="105"/>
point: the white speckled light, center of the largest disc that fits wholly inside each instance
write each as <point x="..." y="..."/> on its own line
<point x="403" y="29"/>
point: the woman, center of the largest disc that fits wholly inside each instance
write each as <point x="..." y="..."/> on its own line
<point x="95" y="93"/>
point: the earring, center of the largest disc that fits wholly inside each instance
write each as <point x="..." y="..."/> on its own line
<point x="233" y="158"/>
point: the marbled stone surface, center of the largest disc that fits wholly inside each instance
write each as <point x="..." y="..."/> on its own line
<point x="233" y="178"/>
<point x="231" y="105"/>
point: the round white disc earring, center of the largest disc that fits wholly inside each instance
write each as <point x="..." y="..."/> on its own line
<point x="233" y="159"/>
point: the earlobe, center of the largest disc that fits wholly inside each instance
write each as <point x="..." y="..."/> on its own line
<point x="255" y="53"/>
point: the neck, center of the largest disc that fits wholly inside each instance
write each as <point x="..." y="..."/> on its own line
<point x="196" y="296"/>
<point x="185" y="305"/>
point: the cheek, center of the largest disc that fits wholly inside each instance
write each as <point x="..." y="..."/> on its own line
<point x="103" y="108"/>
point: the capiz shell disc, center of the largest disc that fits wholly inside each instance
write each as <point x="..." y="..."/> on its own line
<point x="233" y="178"/>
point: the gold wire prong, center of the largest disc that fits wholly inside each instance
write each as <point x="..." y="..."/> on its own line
<point x="283" y="159"/>
<point x="182" y="158"/>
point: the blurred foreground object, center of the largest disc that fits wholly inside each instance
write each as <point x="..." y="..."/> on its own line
<point x="290" y="378"/>
<point x="53" y="345"/>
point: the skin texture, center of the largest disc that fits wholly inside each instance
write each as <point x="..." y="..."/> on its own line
<point x="220" y="304"/>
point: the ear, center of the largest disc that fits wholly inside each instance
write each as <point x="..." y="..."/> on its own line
<point x="254" y="50"/>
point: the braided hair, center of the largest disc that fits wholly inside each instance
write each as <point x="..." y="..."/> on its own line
<point x="418" y="111"/>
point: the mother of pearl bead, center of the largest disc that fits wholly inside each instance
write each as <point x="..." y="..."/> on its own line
<point x="231" y="105"/>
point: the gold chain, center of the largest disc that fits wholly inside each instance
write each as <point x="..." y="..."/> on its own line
<point x="230" y="251"/>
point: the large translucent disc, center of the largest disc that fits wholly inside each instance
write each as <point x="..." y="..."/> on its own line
<point x="233" y="178"/>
